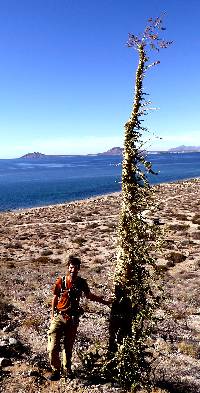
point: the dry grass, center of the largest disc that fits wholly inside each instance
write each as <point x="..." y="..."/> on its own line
<point x="189" y="349"/>
<point x="196" y="219"/>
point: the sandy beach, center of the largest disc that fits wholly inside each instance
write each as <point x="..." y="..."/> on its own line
<point x="33" y="250"/>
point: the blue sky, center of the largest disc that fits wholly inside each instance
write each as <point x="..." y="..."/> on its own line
<point x="67" y="77"/>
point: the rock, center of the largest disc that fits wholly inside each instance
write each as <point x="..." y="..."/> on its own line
<point x="4" y="362"/>
<point x="3" y="343"/>
<point x="13" y="341"/>
<point x="6" y="328"/>
<point x="33" y="373"/>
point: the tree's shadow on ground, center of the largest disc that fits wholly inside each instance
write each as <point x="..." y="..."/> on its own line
<point x="94" y="377"/>
<point x="171" y="386"/>
<point x="178" y="387"/>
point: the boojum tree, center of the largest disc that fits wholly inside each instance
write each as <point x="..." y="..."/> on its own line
<point x="136" y="288"/>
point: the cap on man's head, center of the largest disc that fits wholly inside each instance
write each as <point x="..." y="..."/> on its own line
<point x="72" y="260"/>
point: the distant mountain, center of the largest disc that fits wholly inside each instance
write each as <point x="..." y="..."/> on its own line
<point x="115" y="151"/>
<point x="183" y="148"/>
<point x="35" y="154"/>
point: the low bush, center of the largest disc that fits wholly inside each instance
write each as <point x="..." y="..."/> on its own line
<point x="42" y="260"/>
<point x="178" y="227"/>
<point x="195" y="235"/>
<point x="92" y="225"/>
<point x="46" y="252"/>
<point x="16" y="245"/>
<point x="32" y="322"/>
<point x="175" y="257"/>
<point x="80" y="240"/>
<point x="76" y="219"/>
<point x="181" y="217"/>
<point x="196" y="219"/>
<point x="189" y="349"/>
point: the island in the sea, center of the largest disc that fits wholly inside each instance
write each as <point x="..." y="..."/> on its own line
<point x="118" y="151"/>
<point x="184" y="149"/>
<point x="35" y="154"/>
<point x="114" y="151"/>
<point x="179" y="149"/>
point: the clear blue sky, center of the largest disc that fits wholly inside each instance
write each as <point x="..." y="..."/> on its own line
<point x="67" y="77"/>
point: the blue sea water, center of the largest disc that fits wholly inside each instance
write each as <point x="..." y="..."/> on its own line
<point x="57" y="179"/>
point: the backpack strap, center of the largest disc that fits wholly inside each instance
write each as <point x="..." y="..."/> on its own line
<point x="63" y="283"/>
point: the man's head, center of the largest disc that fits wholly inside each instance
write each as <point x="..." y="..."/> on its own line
<point x="73" y="266"/>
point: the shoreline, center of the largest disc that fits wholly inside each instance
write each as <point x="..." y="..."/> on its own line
<point x="117" y="193"/>
<point x="62" y="204"/>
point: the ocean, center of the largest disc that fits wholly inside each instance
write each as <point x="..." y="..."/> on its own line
<point x="56" y="179"/>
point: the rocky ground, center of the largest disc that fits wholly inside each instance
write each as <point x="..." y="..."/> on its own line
<point x="33" y="251"/>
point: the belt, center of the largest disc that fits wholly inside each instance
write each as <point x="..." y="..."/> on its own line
<point x="63" y="313"/>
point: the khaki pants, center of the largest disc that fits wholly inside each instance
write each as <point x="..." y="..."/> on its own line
<point x="61" y="328"/>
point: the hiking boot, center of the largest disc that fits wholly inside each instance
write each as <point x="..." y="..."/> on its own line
<point x="55" y="376"/>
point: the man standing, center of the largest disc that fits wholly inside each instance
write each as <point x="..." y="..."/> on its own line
<point x="65" y="316"/>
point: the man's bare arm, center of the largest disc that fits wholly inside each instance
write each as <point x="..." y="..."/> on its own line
<point x="98" y="299"/>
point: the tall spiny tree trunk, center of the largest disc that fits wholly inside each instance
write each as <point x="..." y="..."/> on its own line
<point x="135" y="282"/>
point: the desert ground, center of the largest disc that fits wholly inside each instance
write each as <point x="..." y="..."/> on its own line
<point x="34" y="247"/>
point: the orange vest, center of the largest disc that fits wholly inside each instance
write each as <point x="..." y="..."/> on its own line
<point x="64" y="303"/>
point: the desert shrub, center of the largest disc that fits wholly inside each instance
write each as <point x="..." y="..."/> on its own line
<point x="97" y="269"/>
<point x="111" y="225"/>
<point x="42" y="260"/>
<point x="90" y="357"/>
<point x="10" y="265"/>
<point x="178" y="227"/>
<point x="80" y="240"/>
<point x="197" y="264"/>
<point x="181" y="216"/>
<point x="5" y="260"/>
<point x="188" y="275"/>
<point x="56" y="261"/>
<point x="4" y="306"/>
<point x="76" y="219"/>
<point x="46" y="252"/>
<point x="190" y="349"/>
<point x="175" y="257"/>
<point x="106" y="229"/>
<point x="168" y="243"/>
<point x="185" y="243"/>
<point x="96" y="211"/>
<point x="3" y="230"/>
<point x="14" y="245"/>
<point x="58" y="245"/>
<point x="24" y="236"/>
<point x="195" y="235"/>
<point x="85" y="249"/>
<point x="55" y="221"/>
<point x="98" y="260"/>
<point x="92" y="225"/>
<point x="18" y="280"/>
<point x="170" y="264"/>
<point x="88" y="213"/>
<point x="32" y="322"/>
<point x="55" y="236"/>
<point x="41" y="235"/>
<point x="196" y="219"/>
<point x="162" y="268"/>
